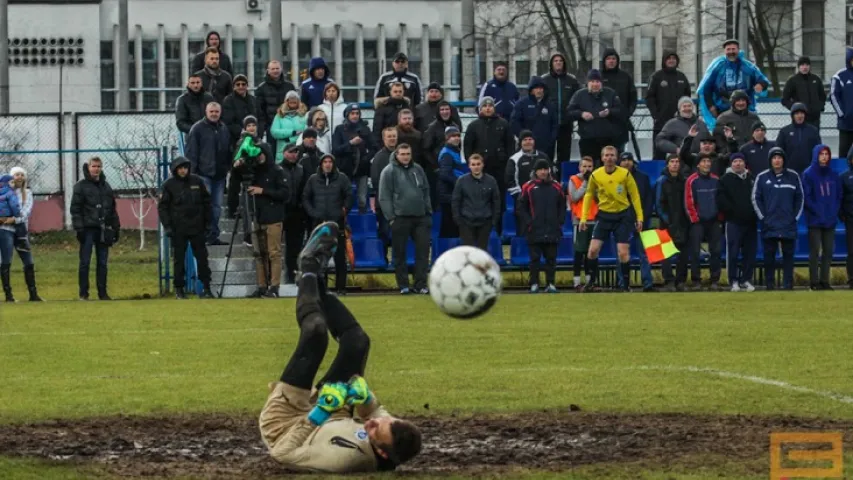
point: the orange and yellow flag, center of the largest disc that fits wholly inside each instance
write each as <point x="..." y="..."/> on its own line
<point x="658" y="245"/>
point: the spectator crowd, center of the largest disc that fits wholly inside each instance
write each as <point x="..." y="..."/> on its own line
<point x="301" y="156"/>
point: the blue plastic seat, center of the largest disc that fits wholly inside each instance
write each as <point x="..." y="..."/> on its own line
<point x="519" y="254"/>
<point x="362" y="225"/>
<point x="608" y="254"/>
<point x="510" y="202"/>
<point x="801" y="247"/>
<point x="509" y="227"/>
<point x="496" y="249"/>
<point x="840" y="252"/>
<point x="410" y="253"/>
<point x="441" y="245"/>
<point x="369" y="253"/>
<point x="566" y="251"/>
<point x="436" y="224"/>
<point x="568" y="228"/>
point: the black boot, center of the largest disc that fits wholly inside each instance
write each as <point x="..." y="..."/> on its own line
<point x="30" y="278"/>
<point x="206" y="293"/>
<point x="180" y="294"/>
<point x="7" y="285"/>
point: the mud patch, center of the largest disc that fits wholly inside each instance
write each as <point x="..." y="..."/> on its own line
<point x="229" y="446"/>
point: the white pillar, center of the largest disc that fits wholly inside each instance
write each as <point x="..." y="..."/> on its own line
<point x="834" y="24"/>
<point x="294" y="54"/>
<point x="595" y="49"/>
<point x="359" y="61"/>
<point x="161" y="65"/>
<point x="229" y="40"/>
<point x="490" y="60"/>
<point x="797" y="24"/>
<point x="512" y="59"/>
<point x="447" y="58"/>
<point x="339" y="55"/>
<point x="250" y="55"/>
<point x="617" y="42"/>
<point x="116" y="46"/>
<point x="68" y="161"/>
<point x="638" y="54"/>
<point x="137" y="52"/>
<point x="403" y="39"/>
<point x="658" y="44"/>
<point x="380" y="49"/>
<point x="315" y="42"/>
<point x="185" y="52"/>
<point x="425" y="55"/>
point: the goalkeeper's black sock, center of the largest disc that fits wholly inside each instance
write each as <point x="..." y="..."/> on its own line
<point x="626" y="275"/>
<point x="592" y="269"/>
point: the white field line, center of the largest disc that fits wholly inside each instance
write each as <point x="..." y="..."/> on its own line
<point x="837" y="397"/>
<point x="139" y="332"/>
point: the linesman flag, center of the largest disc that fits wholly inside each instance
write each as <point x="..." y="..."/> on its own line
<point x="658" y="245"/>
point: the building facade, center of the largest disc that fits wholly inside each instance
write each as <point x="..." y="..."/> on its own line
<point x="359" y="38"/>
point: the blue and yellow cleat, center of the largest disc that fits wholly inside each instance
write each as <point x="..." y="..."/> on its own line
<point x="319" y="249"/>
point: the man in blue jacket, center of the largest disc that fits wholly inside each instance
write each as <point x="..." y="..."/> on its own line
<point x="777" y="198"/>
<point x="822" y="192"/>
<point x="798" y="139"/>
<point x="846" y="214"/>
<point x="755" y="151"/>
<point x="504" y="92"/>
<point x="841" y="95"/>
<point x="647" y="197"/>
<point x="537" y="113"/>
<point x="700" y="201"/>
<point x="314" y="85"/>
<point x="727" y="73"/>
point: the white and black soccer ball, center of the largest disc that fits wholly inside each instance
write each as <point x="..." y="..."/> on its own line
<point x="465" y="282"/>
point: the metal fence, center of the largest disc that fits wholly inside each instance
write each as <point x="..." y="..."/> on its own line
<point x="38" y="132"/>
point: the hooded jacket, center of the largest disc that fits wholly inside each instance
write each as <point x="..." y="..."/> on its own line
<point x="505" y="94"/>
<point x="822" y="192"/>
<point x="287" y="128"/>
<point x="271" y="204"/>
<point x="270" y="95"/>
<point x="538" y="116"/>
<point x="327" y="196"/>
<point x="778" y="200"/>
<point x="673" y="133"/>
<point x="184" y="203"/>
<point x="433" y="137"/>
<point x="224" y="60"/>
<point x="846" y="179"/>
<point x="353" y="160"/>
<point x="427" y="112"/>
<point x="235" y="109"/>
<point x="808" y="90"/>
<point x="208" y="147"/>
<point x="670" y="206"/>
<point x="404" y="190"/>
<point x="561" y="88"/>
<point x="622" y="83"/>
<point x="309" y="158"/>
<point x="324" y="137"/>
<point x="720" y="160"/>
<point x="313" y="89"/>
<point x="295" y="179"/>
<point x="542" y="211"/>
<point x="756" y="154"/>
<point x="666" y="86"/>
<point x="841" y="93"/>
<point x="741" y="122"/>
<point x="93" y="201"/>
<point x="451" y="166"/>
<point x="387" y="116"/>
<point x="609" y="127"/>
<point x="700" y="197"/>
<point x="735" y="196"/>
<point x="9" y="204"/>
<point x="520" y="168"/>
<point x="798" y="141"/>
<point x="476" y="201"/>
<point x="721" y="79"/>
<point x="491" y="138"/>
<point x="189" y="108"/>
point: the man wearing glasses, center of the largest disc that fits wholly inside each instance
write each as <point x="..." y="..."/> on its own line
<point x="400" y="73"/>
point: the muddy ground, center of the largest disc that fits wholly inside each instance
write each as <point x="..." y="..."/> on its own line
<point x="229" y="446"/>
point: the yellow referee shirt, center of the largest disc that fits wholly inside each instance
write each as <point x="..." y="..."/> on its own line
<point x="612" y="191"/>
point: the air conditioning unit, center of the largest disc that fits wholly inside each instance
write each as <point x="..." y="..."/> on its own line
<point x="253" y="6"/>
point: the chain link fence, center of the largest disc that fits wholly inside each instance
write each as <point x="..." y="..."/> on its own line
<point x="20" y="136"/>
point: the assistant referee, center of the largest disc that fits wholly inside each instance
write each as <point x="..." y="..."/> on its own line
<point x="612" y="186"/>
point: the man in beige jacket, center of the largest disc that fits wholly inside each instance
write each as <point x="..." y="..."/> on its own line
<point x="339" y="426"/>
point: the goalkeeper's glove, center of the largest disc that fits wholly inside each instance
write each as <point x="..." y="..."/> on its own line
<point x="332" y="397"/>
<point x="358" y="393"/>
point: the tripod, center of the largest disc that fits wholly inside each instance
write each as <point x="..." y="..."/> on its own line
<point x="246" y="213"/>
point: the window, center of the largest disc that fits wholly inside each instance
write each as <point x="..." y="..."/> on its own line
<point x="327" y="51"/>
<point x="415" y="56"/>
<point x="194" y="47"/>
<point x="522" y="70"/>
<point x="239" y="57"/>
<point x="627" y="55"/>
<point x="813" y="35"/>
<point x="108" y="99"/>
<point x="483" y="74"/>
<point x="304" y="48"/>
<point x="150" y="100"/>
<point x="173" y="71"/>
<point x="542" y="68"/>
<point x="391" y="49"/>
<point x="285" y="52"/>
<point x="371" y="66"/>
<point x="647" y="57"/>
<point x="350" y="70"/>
<point x="605" y="41"/>
<point x="436" y="61"/>
<point x="262" y="56"/>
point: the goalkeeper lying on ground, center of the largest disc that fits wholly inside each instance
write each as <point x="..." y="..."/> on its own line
<point x="340" y="427"/>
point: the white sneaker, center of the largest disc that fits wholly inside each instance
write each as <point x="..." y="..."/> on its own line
<point x="747" y="286"/>
<point x="735" y="287"/>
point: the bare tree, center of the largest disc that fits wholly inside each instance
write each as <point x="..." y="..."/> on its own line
<point x="771" y="36"/>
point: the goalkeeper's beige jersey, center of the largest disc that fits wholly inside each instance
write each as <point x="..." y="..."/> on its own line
<point x="340" y="445"/>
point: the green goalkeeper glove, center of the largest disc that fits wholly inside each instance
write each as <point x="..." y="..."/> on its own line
<point x="247" y="148"/>
<point x="358" y="392"/>
<point x="332" y="397"/>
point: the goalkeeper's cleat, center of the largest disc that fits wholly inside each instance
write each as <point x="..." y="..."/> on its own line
<point x="320" y="247"/>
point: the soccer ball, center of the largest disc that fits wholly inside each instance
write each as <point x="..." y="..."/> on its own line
<point x="465" y="282"/>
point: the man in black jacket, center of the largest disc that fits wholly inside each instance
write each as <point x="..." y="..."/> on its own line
<point x="189" y="108"/>
<point x="622" y="83"/>
<point x="388" y="113"/>
<point x="328" y="197"/>
<point x="427" y="112"/>
<point x="598" y="111"/>
<point x="295" y="218"/>
<point x="309" y="154"/>
<point x="212" y="40"/>
<point x="673" y="218"/>
<point x="96" y="221"/>
<point x="734" y="199"/>
<point x="400" y="74"/>
<point x="433" y="136"/>
<point x="209" y="150"/>
<point x="542" y="207"/>
<point x="238" y="105"/>
<point x="353" y="147"/>
<point x="216" y="81"/>
<point x="561" y="87"/>
<point x="268" y="194"/>
<point x="476" y="205"/>
<point x="519" y="168"/>
<point x="666" y="87"/>
<point x="184" y="210"/>
<point x="270" y="95"/>
<point x="756" y="150"/>
<point x="708" y="145"/>
<point x="490" y="136"/>
<point x="379" y="162"/>
<point x="806" y="88"/>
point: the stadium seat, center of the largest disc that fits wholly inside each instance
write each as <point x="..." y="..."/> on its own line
<point x="510" y="202"/>
<point x="362" y="225"/>
<point x="410" y="253"/>
<point x="369" y="253"/>
<point x="652" y="169"/>
<point x="509" y="227"/>
<point x="441" y="245"/>
<point x="519" y="255"/>
<point x="436" y="223"/>
<point x="801" y="247"/>
<point x="496" y="249"/>
<point x="608" y="254"/>
<point x="568" y="228"/>
<point x="840" y="253"/>
<point x="565" y="251"/>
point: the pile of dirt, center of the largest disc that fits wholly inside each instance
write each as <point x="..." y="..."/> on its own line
<point x="229" y="446"/>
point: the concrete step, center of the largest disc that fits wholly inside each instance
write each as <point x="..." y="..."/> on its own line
<point x="243" y="291"/>
<point x="237" y="278"/>
<point x="238" y="251"/>
<point x="235" y="265"/>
